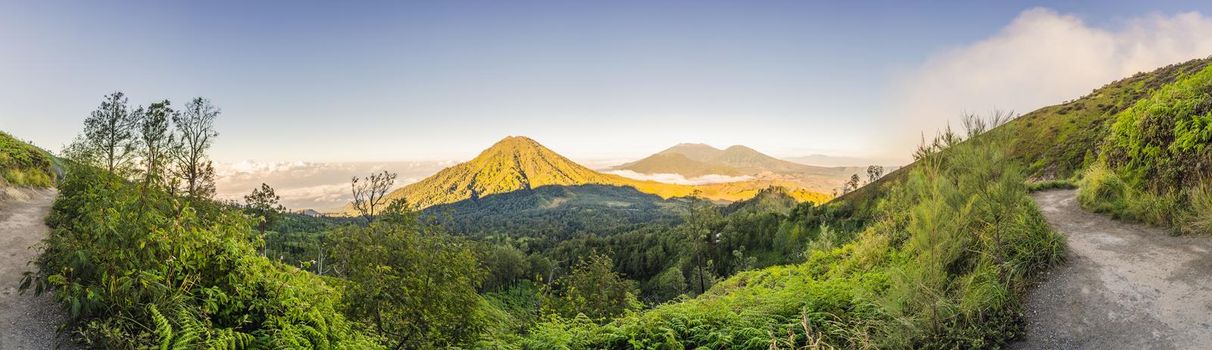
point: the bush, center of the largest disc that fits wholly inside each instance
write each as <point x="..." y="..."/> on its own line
<point x="1102" y="191"/>
<point x="123" y="258"/>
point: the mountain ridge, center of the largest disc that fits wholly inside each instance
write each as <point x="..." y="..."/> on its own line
<point x="521" y="163"/>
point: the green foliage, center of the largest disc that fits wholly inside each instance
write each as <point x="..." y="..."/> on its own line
<point x="262" y="203"/>
<point x="1155" y="159"/>
<point x="22" y="164"/>
<point x="1161" y="141"/>
<point x="408" y="281"/>
<point x="138" y="268"/>
<point x="1105" y="191"/>
<point x="592" y="289"/>
<point x="943" y="265"/>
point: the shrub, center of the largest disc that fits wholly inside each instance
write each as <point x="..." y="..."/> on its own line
<point x="1102" y="191"/>
<point x="123" y="258"/>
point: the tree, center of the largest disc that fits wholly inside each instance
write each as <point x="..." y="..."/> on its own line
<point x="593" y="289"/>
<point x="108" y="139"/>
<point x="504" y="265"/>
<point x="874" y="172"/>
<point x="155" y="140"/>
<point x="368" y="192"/>
<point x="410" y="282"/>
<point x="851" y="185"/>
<point x="701" y="228"/>
<point x="263" y="203"/>
<point x="195" y="131"/>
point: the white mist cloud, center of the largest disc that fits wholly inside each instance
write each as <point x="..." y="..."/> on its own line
<point x="1042" y="58"/>
<point x="311" y="185"/>
<point x="679" y="179"/>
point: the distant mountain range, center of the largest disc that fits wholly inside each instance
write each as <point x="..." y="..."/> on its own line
<point x="693" y="160"/>
<point x="519" y="163"/>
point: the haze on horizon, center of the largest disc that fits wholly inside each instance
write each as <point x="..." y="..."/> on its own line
<point x="327" y="83"/>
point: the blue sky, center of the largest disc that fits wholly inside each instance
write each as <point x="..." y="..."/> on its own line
<point x="393" y="80"/>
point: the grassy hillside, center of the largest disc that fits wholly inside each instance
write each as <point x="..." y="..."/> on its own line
<point x="22" y="164"/>
<point x="942" y="263"/>
<point x="1059" y="141"/>
<point x="519" y="163"/>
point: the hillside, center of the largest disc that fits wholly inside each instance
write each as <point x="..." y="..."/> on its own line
<point x="1059" y="142"/>
<point x="519" y="163"/>
<point x="22" y="164"/>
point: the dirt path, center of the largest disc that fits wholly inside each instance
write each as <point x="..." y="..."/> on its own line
<point x="26" y="321"/>
<point x="1125" y="286"/>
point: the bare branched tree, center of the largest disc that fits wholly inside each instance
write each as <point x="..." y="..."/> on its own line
<point x="368" y="192"/>
<point x="195" y="132"/>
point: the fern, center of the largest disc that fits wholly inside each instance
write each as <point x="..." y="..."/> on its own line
<point x="164" y="330"/>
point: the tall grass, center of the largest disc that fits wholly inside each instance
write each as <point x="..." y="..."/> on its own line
<point x="1188" y="210"/>
<point x="1198" y="216"/>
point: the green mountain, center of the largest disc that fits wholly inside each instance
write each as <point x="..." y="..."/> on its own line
<point x="519" y="163"/>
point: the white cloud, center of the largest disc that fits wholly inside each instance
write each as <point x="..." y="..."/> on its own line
<point x="311" y="184"/>
<point x="1039" y="59"/>
<point x="679" y="179"/>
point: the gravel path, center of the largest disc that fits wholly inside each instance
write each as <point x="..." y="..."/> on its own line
<point x="26" y="321"/>
<point x="1125" y="286"/>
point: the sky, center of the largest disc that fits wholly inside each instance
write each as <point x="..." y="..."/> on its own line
<point x="396" y="81"/>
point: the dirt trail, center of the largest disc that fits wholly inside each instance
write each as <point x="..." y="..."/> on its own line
<point x="26" y="321"/>
<point x="1125" y="286"/>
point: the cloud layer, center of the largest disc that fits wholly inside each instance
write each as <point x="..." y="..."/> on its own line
<point x="311" y="185"/>
<point x="1042" y="58"/>
<point x="679" y="179"/>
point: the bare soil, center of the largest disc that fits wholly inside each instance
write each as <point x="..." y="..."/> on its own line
<point x="1124" y="286"/>
<point x="26" y="321"/>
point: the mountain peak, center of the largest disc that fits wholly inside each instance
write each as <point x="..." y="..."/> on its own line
<point x="516" y="141"/>
<point x="740" y="148"/>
